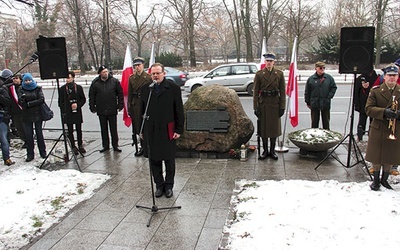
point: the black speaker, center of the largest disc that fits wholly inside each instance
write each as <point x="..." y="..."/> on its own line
<point x="356" y="50"/>
<point x="52" y="57"/>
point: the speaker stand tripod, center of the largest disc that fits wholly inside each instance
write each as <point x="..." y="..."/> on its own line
<point x="67" y="142"/>
<point x="154" y="209"/>
<point x="352" y="144"/>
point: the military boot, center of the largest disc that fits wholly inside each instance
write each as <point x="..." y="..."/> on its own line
<point x="384" y="182"/>
<point x="272" y="154"/>
<point x="376" y="183"/>
<point x="265" y="147"/>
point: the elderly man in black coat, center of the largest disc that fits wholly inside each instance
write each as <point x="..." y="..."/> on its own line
<point x="164" y="123"/>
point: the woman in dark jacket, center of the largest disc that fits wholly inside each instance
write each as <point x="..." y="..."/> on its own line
<point x="31" y="97"/>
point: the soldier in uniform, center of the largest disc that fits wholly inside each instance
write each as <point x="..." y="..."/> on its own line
<point x="269" y="103"/>
<point x="383" y="152"/>
<point x="136" y="81"/>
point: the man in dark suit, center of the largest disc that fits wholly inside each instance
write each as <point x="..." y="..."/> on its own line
<point x="70" y="101"/>
<point x="164" y="124"/>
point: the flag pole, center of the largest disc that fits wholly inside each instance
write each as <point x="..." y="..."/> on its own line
<point x="292" y="77"/>
<point x="280" y="148"/>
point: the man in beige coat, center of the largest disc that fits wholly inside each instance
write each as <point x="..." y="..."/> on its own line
<point x="136" y="81"/>
<point x="269" y="102"/>
<point x="381" y="150"/>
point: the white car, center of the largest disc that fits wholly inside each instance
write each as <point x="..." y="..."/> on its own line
<point x="236" y="76"/>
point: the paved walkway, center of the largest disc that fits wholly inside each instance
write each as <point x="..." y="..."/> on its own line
<point x="203" y="188"/>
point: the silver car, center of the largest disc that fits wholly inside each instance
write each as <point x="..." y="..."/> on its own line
<point x="236" y="76"/>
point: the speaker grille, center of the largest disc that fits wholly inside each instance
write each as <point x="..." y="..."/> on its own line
<point x="52" y="57"/>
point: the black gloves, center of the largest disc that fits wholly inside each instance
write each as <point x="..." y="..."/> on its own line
<point x="257" y="112"/>
<point x="390" y="114"/>
<point x="281" y="112"/>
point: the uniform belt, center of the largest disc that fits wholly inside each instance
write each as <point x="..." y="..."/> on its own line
<point x="136" y="94"/>
<point x="267" y="93"/>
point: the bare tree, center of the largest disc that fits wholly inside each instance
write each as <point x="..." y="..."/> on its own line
<point x="235" y="24"/>
<point x="381" y="6"/>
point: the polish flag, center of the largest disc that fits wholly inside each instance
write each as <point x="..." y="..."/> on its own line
<point x="263" y="51"/>
<point x="126" y="73"/>
<point x="292" y="89"/>
<point x="152" y="58"/>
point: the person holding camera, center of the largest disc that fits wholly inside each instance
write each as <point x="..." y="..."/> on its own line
<point x="71" y="100"/>
<point x="5" y="105"/>
<point x="361" y="91"/>
<point x="269" y="104"/>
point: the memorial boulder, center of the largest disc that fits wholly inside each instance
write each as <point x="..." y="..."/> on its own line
<point x="215" y="121"/>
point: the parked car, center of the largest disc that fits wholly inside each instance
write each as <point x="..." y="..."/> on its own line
<point x="237" y="76"/>
<point x="177" y="76"/>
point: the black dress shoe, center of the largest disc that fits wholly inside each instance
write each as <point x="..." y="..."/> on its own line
<point x="29" y="158"/>
<point x="104" y="150"/>
<point x="273" y="155"/>
<point x="264" y="155"/>
<point x="82" y="149"/>
<point x="117" y="150"/>
<point x="169" y="193"/>
<point x="139" y="152"/>
<point x="76" y="152"/>
<point x="159" y="192"/>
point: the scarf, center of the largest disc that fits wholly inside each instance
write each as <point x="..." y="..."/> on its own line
<point x="32" y="85"/>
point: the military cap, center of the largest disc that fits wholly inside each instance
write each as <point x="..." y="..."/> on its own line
<point x="269" y="56"/>
<point x="391" y="70"/>
<point x="101" y="68"/>
<point x="138" y="60"/>
<point x="319" y="64"/>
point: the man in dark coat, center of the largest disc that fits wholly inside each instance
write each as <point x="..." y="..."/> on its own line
<point x="70" y="101"/>
<point x="269" y="103"/>
<point x="106" y="99"/>
<point x="136" y="81"/>
<point x="382" y="149"/>
<point x="320" y="89"/>
<point x="5" y="104"/>
<point x="361" y="91"/>
<point x="163" y="125"/>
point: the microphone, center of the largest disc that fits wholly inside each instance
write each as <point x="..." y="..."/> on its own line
<point x="152" y="84"/>
<point x="34" y="57"/>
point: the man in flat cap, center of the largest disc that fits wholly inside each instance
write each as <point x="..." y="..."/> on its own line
<point x="106" y="99"/>
<point x="320" y="89"/>
<point x="383" y="147"/>
<point x="269" y="101"/>
<point x="136" y="81"/>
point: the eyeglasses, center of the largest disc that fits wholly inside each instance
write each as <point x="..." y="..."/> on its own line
<point x="156" y="73"/>
<point x="321" y="67"/>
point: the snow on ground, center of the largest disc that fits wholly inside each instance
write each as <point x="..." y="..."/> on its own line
<point x="297" y="214"/>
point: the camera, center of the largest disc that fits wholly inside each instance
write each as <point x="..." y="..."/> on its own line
<point x="72" y="102"/>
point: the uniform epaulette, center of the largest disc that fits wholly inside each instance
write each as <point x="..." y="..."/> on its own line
<point x="374" y="87"/>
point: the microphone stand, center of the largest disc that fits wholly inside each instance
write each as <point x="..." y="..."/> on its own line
<point x="154" y="209"/>
<point x="33" y="58"/>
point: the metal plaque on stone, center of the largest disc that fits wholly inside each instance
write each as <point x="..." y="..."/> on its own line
<point x="215" y="121"/>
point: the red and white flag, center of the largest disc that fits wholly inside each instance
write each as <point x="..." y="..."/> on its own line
<point x="292" y="89"/>
<point x="263" y="51"/>
<point x="126" y="73"/>
<point x="152" y="58"/>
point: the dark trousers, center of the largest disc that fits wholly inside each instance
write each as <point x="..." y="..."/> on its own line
<point x="105" y="121"/>
<point x="78" y="128"/>
<point x="316" y="113"/>
<point x="20" y="126"/>
<point x="362" y="122"/>
<point x="156" y="168"/>
<point x="39" y="138"/>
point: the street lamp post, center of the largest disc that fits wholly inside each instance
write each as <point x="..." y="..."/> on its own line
<point x="106" y="19"/>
